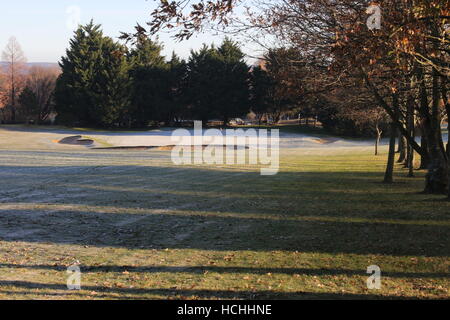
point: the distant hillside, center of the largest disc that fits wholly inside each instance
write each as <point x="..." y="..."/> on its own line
<point x="43" y="64"/>
<point x="34" y="64"/>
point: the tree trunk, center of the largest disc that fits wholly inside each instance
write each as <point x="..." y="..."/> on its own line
<point x="401" y="138"/>
<point x="448" y="136"/>
<point x="402" y="142"/>
<point x="410" y="150"/>
<point x="389" y="175"/>
<point x="378" y="138"/>
<point x="424" y="159"/>
<point x="437" y="177"/>
<point x="410" y="121"/>
<point x="448" y="152"/>
<point x="410" y="162"/>
<point x="410" y="153"/>
<point x="13" y="95"/>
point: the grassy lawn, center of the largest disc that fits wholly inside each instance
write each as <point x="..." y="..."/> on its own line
<point x="142" y="228"/>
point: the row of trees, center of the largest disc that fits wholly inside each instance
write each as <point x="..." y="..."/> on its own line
<point x="104" y="83"/>
<point x="400" y="63"/>
<point x="26" y="93"/>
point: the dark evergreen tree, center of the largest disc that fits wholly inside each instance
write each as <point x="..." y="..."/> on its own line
<point x="29" y="104"/>
<point x="234" y="76"/>
<point x="147" y="53"/>
<point x="151" y="82"/>
<point x="261" y="85"/>
<point x="204" y="83"/>
<point x="218" y="82"/>
<point x="177" y="105"/>
<point x="94" y="86"/>
<point x="150" y="94"/>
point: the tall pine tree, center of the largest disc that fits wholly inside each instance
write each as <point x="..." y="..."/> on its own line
<point x="261" y="85"/>
<point x="93" y="88"/>
<point x="146" y="53"/>
<point x="233" y="101"/>
<point x="158" y="92"/>
<point x="204" y="83"/>
<point x="218" y="82"/>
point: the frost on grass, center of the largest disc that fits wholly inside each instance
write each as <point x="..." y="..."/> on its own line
<point x="144" y="228"/>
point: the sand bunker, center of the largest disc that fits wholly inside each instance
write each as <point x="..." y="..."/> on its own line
<point x="131" y="148"/>
<point x="161" y="141"/>
<point x="76" y="141"/>
<point x="164" y="148"/>
<point x="322" y="140"/>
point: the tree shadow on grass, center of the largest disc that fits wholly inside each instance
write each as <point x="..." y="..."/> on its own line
<point x="185" y="293"/>
<point x="226" y="270"/>
<point x="194" y="208"/>
<point x="161" y="231"/>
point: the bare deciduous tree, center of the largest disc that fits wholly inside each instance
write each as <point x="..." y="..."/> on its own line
<point x="41" y="83"/>
<point x="15" y="65"/>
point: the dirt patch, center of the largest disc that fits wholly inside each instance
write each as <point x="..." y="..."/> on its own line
<point x="76" y="141"/>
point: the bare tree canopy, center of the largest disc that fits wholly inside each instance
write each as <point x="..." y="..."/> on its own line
<point x="39" y="88"/>
<point x="15" y="60"/>
<point x="14" y="56"/>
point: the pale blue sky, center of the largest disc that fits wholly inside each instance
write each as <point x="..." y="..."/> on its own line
<point x="41" y="26"/>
